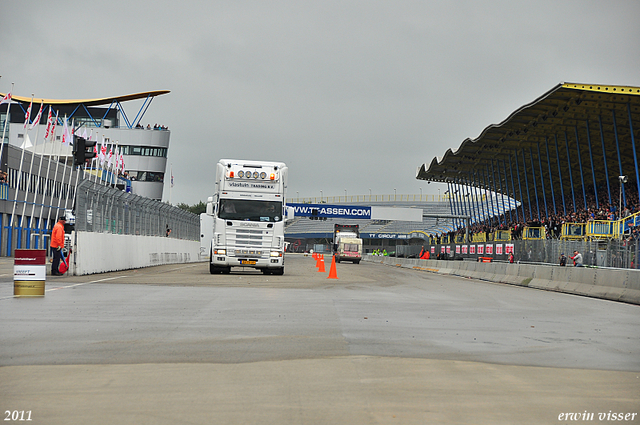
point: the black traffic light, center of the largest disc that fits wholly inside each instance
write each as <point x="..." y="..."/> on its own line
<point x="83" y="150"/>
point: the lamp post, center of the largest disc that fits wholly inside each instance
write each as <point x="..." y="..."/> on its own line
<point x="369" y="194"/>
<point x="623" y="180"/>
<point x="321" y="195"/>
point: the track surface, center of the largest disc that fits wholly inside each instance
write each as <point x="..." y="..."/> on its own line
<point x="174" y="344"/>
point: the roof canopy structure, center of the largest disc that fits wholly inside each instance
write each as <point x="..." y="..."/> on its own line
<point x="567" y="147"/>
<point x="73" y="105"/>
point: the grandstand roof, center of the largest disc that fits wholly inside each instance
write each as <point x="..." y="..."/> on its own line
<point x="583" y="120"/>
<point x="91" y="102"/>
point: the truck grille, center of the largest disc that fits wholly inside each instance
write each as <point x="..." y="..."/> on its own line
<point x="250" y="242"/>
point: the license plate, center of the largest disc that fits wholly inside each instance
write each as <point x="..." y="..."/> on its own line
<point x="248" y="262"/>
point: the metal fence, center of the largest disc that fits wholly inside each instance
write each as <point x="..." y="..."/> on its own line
<point x="608" y="253"/>
<point x="104" y="209"/>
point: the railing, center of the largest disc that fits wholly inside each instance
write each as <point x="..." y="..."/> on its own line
<point x="533" y="233"/>
<point x="371" y="198"/>
<point x="502" y="235"/>
<point x="620" y="227"/>
<point x="573" y="231"/>
<point x="479" y="237"/>
<point x="600" y="229"/>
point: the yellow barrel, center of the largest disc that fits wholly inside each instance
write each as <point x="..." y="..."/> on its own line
<point x="29" y="272"/>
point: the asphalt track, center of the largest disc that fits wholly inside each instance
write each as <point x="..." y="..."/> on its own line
<point x="379" y="345"/>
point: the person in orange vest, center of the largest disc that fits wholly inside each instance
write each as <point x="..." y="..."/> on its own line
<point x="424" y="254"/>
<point x="57" y="243"/>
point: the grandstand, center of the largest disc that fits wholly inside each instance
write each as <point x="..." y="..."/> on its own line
<point x="559" y="174"/>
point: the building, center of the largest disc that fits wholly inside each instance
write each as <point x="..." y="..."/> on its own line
<point x="143" y="147"/>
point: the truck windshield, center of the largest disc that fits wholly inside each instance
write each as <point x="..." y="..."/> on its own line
<point x="249" y="210"/>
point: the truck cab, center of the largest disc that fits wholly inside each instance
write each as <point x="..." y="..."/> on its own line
<point x="247" y="215"/>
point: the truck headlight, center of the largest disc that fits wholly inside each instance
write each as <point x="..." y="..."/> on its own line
<point x="276" y="253"/>
<point x="220" y="251"/>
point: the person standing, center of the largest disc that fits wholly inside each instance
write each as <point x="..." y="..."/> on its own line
<point x="577" y="259"/>
<point x="563" y="259"/>
<point x="57" y="243"/>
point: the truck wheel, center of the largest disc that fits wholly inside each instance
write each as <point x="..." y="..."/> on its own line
<point x="357" y="262"/>
<point x="278" y="272"/>
<point x="266" y="271"/>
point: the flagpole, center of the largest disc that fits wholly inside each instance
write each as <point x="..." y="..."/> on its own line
<point x="33" y="157"/>
<point x="73" y="132"/>
<point x="171" y="183"/>
<point x="35" y="148"/>
<point x="66" y="158"/>
<point x="4" y="130"/>
<point x="55" y="174"/>
<point x="26" y="134"/>
<point x="44" y="190"/>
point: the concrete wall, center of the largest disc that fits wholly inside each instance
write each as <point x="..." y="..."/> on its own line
<point x="611" y="284"/>
<point x="105" y="252"/>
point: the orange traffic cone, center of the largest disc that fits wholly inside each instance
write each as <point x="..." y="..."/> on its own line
<point x="332" y="270"/>
<point x="321" y="264"/>
<point x="317" y="260"/>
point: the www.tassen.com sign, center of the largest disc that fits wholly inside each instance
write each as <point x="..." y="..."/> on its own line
<point x="331" y="211"/>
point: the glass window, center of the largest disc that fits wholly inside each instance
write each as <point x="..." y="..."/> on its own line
<point x="249" y="210"/>
<point x="136" y="150"/>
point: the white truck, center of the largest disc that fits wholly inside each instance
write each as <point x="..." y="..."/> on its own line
<point x="244" y="222"/>
<point x="347" y="245"/>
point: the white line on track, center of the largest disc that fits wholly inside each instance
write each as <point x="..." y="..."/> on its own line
<point x="70" y="286"/>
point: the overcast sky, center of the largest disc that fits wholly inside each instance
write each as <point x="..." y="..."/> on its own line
<point x="352" y="95"/>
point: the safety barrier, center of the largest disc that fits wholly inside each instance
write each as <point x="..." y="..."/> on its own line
<point x="611" y="284"/>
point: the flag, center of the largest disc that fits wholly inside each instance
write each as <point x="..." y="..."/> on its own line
<point x="171" y="176"/>
<point x="53" y="126"/>
<point x="66" y="134"/>
<point x="110" y="156"/>
<point x="27" y="115"/>
<point x="36" y="120"/>
<point x="117" y="158"/>
<point x="49" y="123"/>
<point x="6" y="99"/>
<point x="122" y="163"/>
<point x="103" y="152"/>
<point x="27" y="142"/>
